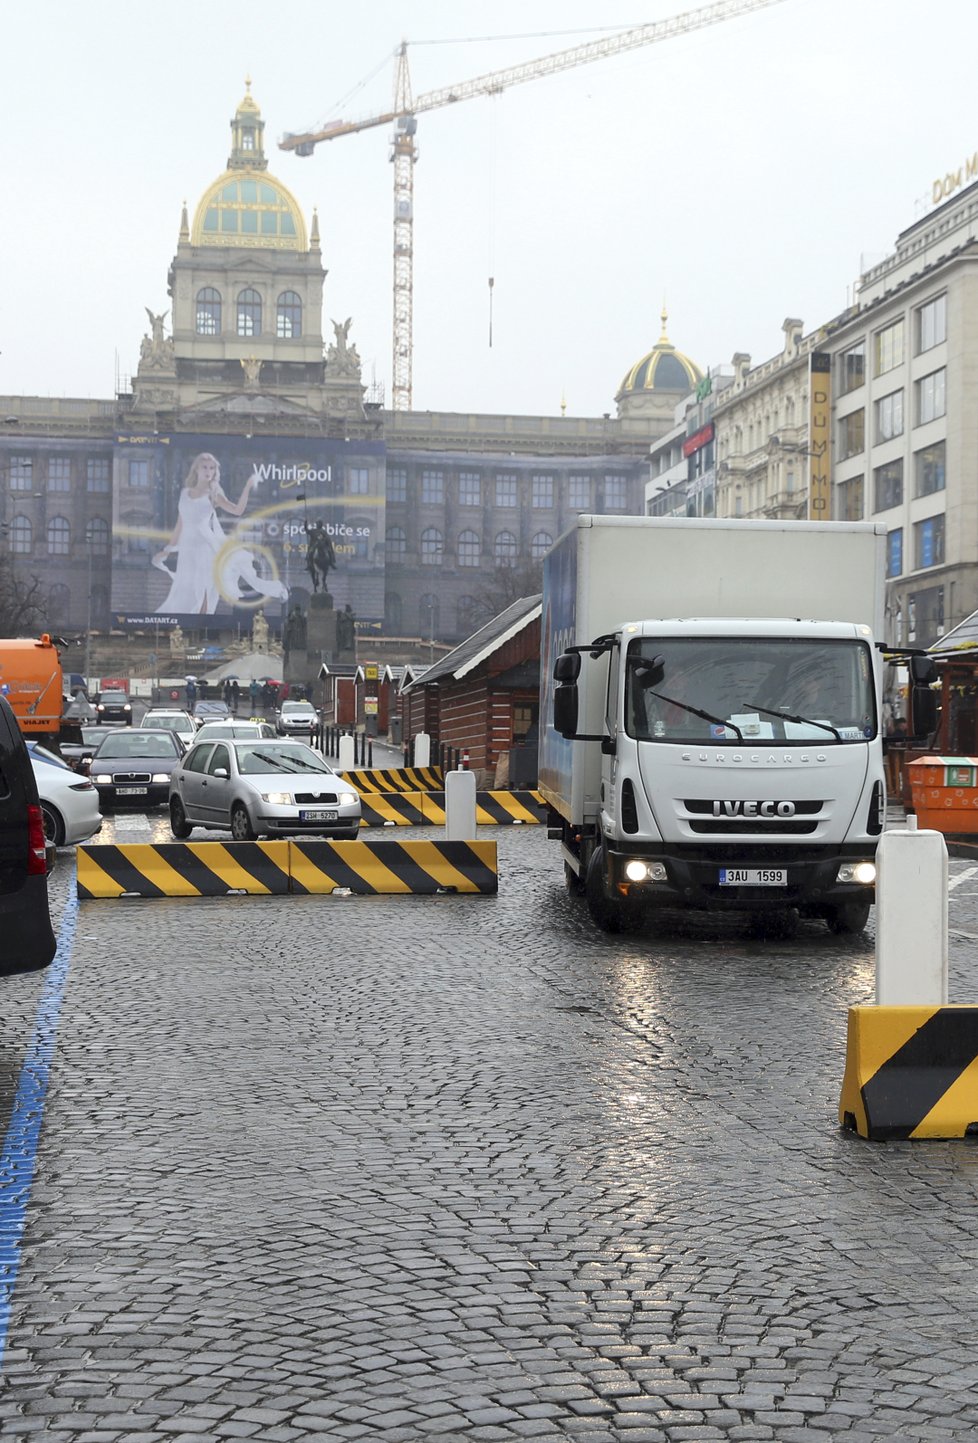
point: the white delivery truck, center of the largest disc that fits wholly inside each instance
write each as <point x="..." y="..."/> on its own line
<point x="710" y="714"/>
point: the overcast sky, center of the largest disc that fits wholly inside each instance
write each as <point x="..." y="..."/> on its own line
<point x="743" y="173"/>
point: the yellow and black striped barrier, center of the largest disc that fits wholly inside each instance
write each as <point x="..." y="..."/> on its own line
<point x="278" y="868"/>
<point x="911" y="1073"/>
<point x="397" y="779"/>
<point x="394" y="867"/>
<point x="427" y="809"/>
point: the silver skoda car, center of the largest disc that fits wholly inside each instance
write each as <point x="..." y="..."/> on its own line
<point x="260" y="787"/>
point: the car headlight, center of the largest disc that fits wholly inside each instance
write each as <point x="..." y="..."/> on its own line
<point x="161" y="776"/>
<point x="103" y="777"/>
<point x="277" y="799"/>
<point x="348" y="799"/>
<point x="864" y="872"/>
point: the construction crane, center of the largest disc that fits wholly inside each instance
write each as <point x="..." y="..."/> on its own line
<point x="404" y="151"/>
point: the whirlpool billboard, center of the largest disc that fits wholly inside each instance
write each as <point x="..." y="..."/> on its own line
<point x="209" y="529"/>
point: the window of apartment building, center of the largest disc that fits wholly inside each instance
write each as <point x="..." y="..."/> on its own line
<point x="432" y="488"/>
<point x="504" y="549"/>
<point x="931" y="324"/>
<point x="888" y="485"/>
<point x="469" y="549"/>
<point x="852" y="434"/>
<point x="396" y="544"/>
<point x="98" y="475"/>
<point x="249" y="313"/>
<point x="929" y="469"/>
<point x="579" y="493"/>
<point x="615" y="493"/>
<point x="59" y="536"/>
<point x="889" y="416"/>
<point x="469" y="488"/>
<point x="21" y="536"/>
<point x="894" y="552"/>
<point x="506" y="489"/>
<point x="139" y="471"/>
<point x="852" y="368"/>
<point x="288" y="316"/>
<point x="542" y="492"/>
<point x="888" y="348"/>
<point x="851" y="499"/>
<point x="59" y="473"/>
<point x="396" y="483"/>
<point x="928" y="542"/>
<point x="21" y="473"/>
<point x="540" y="545"/>
<point x="97" y="536"/>
<point x="930" y="397"/>
<point x="358" y="480"/>
<point x="208" y="312"/>
<point x="432" y="546"/>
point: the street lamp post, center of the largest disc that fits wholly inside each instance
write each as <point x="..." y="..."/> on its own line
<point x="88" y="628"/>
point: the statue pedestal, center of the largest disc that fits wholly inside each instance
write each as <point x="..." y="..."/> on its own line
<point x="321" y="629"/>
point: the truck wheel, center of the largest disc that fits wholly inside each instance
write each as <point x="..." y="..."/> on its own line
<point x="573" y="881"/>
<point x="848" y="919"/>
<point x="608" y="915"/>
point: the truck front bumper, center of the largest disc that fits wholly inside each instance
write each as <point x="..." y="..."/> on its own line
<point x="691" y="876"/>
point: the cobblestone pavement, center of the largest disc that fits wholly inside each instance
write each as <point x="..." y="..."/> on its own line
<point x="465" y="1169"/>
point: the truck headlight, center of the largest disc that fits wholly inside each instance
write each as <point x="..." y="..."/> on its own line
<point x="638" y="871"/>
<point x="864" y="872"/>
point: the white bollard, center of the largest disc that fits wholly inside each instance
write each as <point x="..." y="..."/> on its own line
<point x="460" y="806"/>
<point x="911" y="918"/>
<point x="348" y="754"/>
<point x="422" y="750"/>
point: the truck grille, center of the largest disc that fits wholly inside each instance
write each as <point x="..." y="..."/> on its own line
<point x="702" y="822"/>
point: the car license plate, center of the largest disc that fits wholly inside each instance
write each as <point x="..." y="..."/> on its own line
<point x="131" y="791"/>
<point x="753" y="877"/>
<point x="317" y="816"/>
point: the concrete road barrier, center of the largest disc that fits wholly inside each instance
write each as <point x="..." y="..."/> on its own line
<point x="910" y="1072"/>
<point x="394" y="867"/>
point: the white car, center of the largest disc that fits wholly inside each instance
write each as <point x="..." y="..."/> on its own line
<point x="69" y="802"/>
<point x="297" y="718"/>
<point x="179" y="722"/>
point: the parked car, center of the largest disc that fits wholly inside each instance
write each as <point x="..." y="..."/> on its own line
<point x="210" y="711"/>
<point x="241" y="731"/>
<point x="297" y="718"/>
<point x="69" y="803"/>
<point x="181" y="723"/>
<point x="135" y="766"/>
<point x="261" y="788"/>
<point x="79" y="753"/>
<point x="28" y="937"/>
<point x="113" y="705"/>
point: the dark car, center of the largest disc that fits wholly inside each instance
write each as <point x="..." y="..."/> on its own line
<point x="28" y="938"/>
<point x="114" y="706"/>
<point x="135" y="766"/>
<point x="79" y="744"/>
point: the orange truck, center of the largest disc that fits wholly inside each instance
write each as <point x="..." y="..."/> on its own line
<point x="31" y="680"/>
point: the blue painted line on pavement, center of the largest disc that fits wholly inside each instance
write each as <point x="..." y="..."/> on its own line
<point x="19" y="1157"/>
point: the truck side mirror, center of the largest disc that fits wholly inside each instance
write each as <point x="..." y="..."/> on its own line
<point x="567" y="667"/>
<point x="565" y="708"/>
<point x="923" y="670"/>
<point x="923" y="712"/>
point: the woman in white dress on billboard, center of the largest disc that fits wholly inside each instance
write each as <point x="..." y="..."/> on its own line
<point x="199" y="540"/>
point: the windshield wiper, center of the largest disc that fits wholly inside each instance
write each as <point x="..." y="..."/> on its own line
<point x="801" y="720"/>
<point x="706" y="716"/>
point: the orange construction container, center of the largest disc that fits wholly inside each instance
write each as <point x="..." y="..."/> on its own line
<point x="31" y="680"/>
<point x="945" y="793"/>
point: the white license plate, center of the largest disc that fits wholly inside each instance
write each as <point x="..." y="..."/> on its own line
<point x="131" y="791"/>
<point x="753" y="877"/>
<point x="317" y="816"/>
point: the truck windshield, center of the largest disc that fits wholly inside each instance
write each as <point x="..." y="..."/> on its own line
<point x="764" y="688"/>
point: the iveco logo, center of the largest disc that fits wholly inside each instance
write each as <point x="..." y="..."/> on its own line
<point x="753" y="809"/>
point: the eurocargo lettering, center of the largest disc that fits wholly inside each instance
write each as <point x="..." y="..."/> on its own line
<point x="711" y="708"/>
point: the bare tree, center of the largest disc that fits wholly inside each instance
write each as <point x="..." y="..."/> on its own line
<point x="507" y="584"/>
<point x="23" y="601"/>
